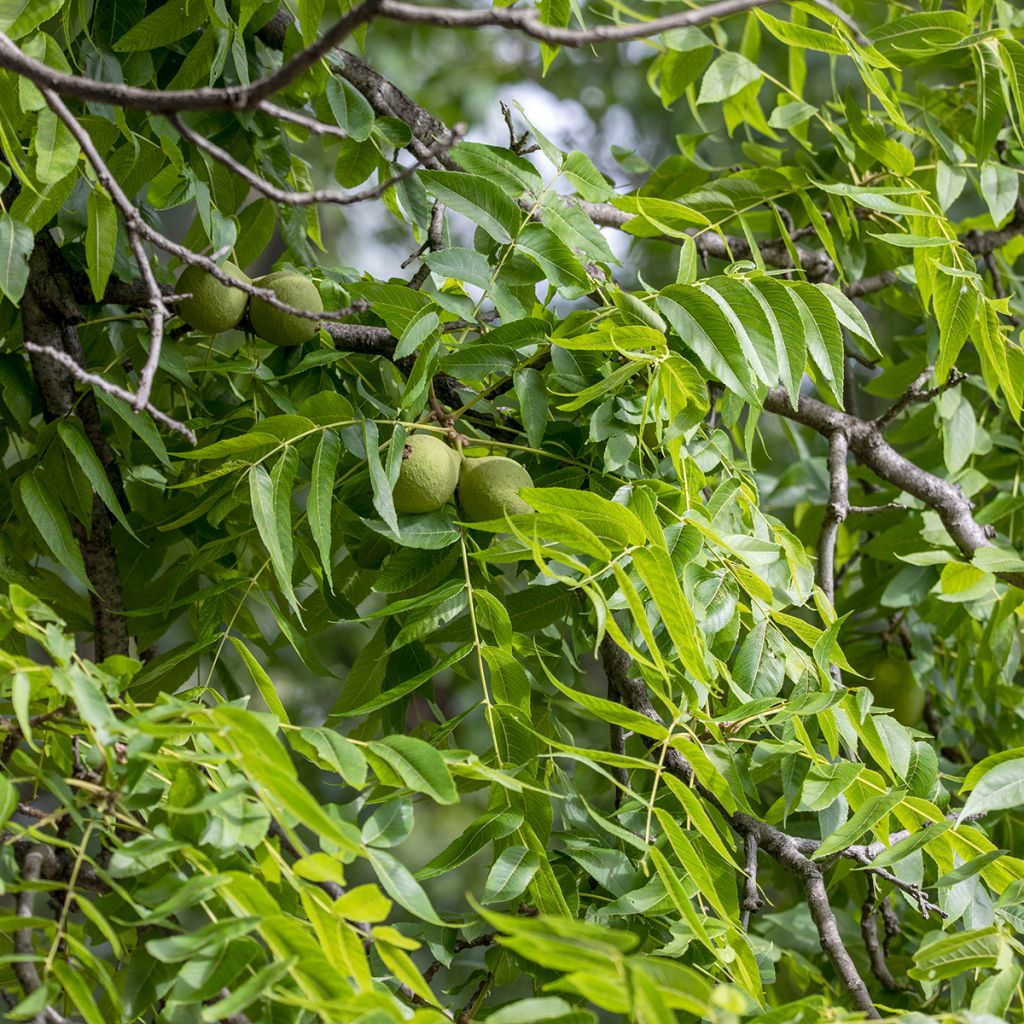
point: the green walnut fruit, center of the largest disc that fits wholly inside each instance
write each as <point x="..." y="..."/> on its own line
<point x="429" y="474"/>
<point x="489" y="487"/>
<point x="212" y="306"/>
<point x="895" y="686"/>
<point x="277" y="326"/>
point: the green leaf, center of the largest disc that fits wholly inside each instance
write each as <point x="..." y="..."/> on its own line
<point x="704" y="328"/>
<point x="379" y="480"/>
<point x="259" y="676"/>
<point x="999" y="187"/>
<point x="956" y="302"/>
<point x="418" y="765"/>
<point x="264" y="760"/>
<point x="56" y="149"/>
<point x="319" y="504"/>
<point x="552" y="255"/>
<point x="174" y="20"/>
<point x="36" y="208"/>
<point x="477" y="198"/>
<point x="398" y="882"/>
<point x="257" y="985"/>
<point x="869" y="815"/>
<point x="579" y="170"/>
<point x="311" y="13"/>
<point x="989" y="100"/>
<point x="728" y="75"/>
<point x="533" y="403"/>
<point x="514" y="174"/>
<point x="656" y="570"/>
<point x="510" y="874"/>
<point x="270" y="494"/>
<point x="570" y="224"/>
<point x="100" y="241"/>
<point x="485" y="829"/>
<point x="794" y="34"/>
<point x="1000" y="788"/>
<point x="19" y="17"/>
<point x="613" y="712"/>
<point x="16" y="244"/>
<point x="49" y="518"/>
<point x="352" y="113"/>
<point x="333" y="752"/>
<point x="824" y="337"/>
<point x="913" y="842"/>
<point x="606" y="519"/>
<point x="88" y="461"/>
<point x="950" y="955"/>
<point x="78" y="988"/>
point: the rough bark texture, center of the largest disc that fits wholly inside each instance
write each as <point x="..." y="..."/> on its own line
<point x="50" y="316"/>
<point x="868" y="443"/>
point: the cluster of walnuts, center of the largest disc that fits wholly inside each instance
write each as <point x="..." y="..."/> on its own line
<point x="431" y="471"/>
<point x="212" y="306"/>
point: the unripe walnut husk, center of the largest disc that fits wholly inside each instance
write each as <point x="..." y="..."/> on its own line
<point x="277" y="326"/>
<point x="428" y="476"/>
<point x="489" y="487"/>
<point x="212" y="306"/>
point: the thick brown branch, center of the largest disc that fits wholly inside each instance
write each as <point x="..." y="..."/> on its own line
<point x="49" y="317"/>
<point x="867" y="442"/>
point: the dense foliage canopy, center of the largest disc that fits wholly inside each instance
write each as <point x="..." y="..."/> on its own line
<point x="720" y="719"/>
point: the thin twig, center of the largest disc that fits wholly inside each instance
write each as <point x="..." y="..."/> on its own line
<point x="111" y="389"/>
<point x="317" y="196"/>
<point x="311" y="124"/>
<point x="917" y="393"/>
<point x="528" y="21"/>
<point x="434" y="243"/>
<point x="753" y="901"/>
<point x="835" y="512"/>
<point x="869" y="914"/>
<point x="132" y="218"/>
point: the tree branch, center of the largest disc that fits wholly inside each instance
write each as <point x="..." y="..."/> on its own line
<point x="753" y="901"/>
<point x="918" y="393"/>
<point x="528" y="20"/>
<point x="867" y="442"/>
<point x="169" y="101"/>
<point x="835" y="512"/>
<point x="783" y="848"/>
<point x="37" y="863"/>
<point x="324" y="196"/>
<point x="49" y="315"/>
<point x="104" y="385"/>
<point x="815" y="263"/>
